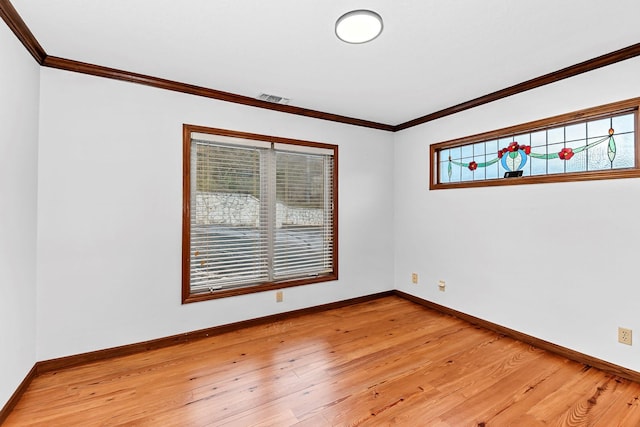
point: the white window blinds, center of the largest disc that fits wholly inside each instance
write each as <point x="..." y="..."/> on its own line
<point x="260" y="212"/>
<point x="304" y="215"/>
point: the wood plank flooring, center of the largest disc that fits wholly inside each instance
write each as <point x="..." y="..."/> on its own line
<point x="383" y="362"/>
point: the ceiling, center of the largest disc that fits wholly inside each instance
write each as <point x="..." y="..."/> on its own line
<point x="432" y="54"/>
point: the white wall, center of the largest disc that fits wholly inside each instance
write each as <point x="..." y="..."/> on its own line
<point x="556" y="261"/>
<point x="110" y="206"/>
<point x="19" y="87"/>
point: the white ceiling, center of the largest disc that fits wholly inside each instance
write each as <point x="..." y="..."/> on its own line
<point x="431" y="55"/>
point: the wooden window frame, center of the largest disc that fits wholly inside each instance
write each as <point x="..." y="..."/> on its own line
<point x="603" y="111"/>
<point x="187" y="295"/>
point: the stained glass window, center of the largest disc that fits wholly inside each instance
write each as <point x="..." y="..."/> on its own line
<point x="590" y="144"/>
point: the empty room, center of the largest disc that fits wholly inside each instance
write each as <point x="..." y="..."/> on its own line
<point x="337" y="213"/>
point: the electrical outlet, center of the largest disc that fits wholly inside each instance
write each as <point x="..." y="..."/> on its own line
<point x="279" y="296"/>
<point x="624" y="336"/>
<point x="442" y="286"/>
<point x="414" y="278"/>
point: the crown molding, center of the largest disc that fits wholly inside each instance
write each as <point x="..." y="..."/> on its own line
<point x="16" y="24"/>
<point x="22" y="32"/>
<point x="583" y="67"/>
<point x="127" y="76"/>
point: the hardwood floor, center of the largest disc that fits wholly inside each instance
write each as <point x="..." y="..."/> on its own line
<point x="383" y="362"/>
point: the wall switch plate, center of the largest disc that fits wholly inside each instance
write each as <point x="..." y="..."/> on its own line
<point x="442" y="285"/>
<point x="624" y="336"/>
<point x="414" y="278"/>
<point x="279" y="296"/>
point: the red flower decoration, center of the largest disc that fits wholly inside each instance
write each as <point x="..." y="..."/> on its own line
<point x="565" y="154"/>
<point x="513" y="147"/>
<point x="473" y="166"/>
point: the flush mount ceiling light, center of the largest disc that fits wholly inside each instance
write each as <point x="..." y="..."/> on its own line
<point x="359" y="26"/>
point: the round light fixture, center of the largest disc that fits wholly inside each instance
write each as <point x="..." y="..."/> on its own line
<point x="359" y="26"/>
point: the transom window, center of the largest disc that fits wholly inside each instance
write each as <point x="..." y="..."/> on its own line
<point x="597" y="143"/>
<point x="260" y="213"/>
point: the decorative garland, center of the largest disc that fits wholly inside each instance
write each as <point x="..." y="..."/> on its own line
<point x="514" y="156"/>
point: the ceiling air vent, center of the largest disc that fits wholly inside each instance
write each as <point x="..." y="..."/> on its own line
<point x="273" y="98"/>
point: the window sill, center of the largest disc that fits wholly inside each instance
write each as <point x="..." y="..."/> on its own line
<point x="250" y="289"/>
<point x="543" y="179"/>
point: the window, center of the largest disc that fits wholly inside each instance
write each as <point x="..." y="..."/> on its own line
<point x="259" y="213"/>
<point x="598" y="143"/>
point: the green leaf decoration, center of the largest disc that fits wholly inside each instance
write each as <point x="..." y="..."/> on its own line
<point x="544" y="156"/>
<point x="580" y="149"/>
<point x="611" y="149"/>
<point x="489" y="163"/>
<point x="588" y="146"/>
